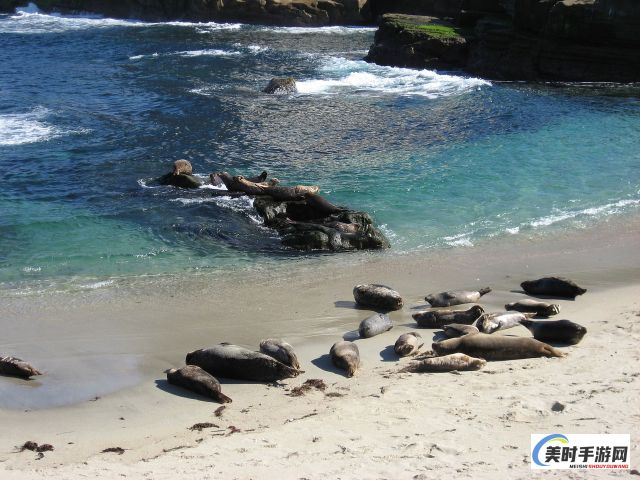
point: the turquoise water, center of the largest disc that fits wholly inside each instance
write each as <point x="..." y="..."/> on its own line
<point x="93" y="109"/>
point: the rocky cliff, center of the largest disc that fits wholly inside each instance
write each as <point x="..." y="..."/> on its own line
<point x="275" y="12"/>
<point x="572" y="40"/>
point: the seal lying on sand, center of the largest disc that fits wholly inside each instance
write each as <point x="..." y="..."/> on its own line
<point x="345" y="355"/>
<point x="496" y="347"/>
<point x="281" y="351"/>
<point x="446" y="363"/>
<point x="492" y="322"/>
<point x="454" y="330"/>
<point x="16" y="367"/>
<point x="456" y="297"/>
<point x="561" y="331"/>
<point x="197" y="380"/>
<point x="553" y="287"/>
<point x="408" y="344"/>
<point x="440" y="318"/>
<point x="233" y="361"/>
<point x="377" y="297"/>
<point x="375" y="325"/>
<point x="528" y="305"/>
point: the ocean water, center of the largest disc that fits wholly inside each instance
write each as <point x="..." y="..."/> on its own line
<point x="93" y="109"/>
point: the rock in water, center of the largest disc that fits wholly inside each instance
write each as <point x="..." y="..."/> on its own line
<point x="281" y="86"/>
<point x="560" y="331"/>
<point x="346" y="356"/>
<point x="440" y="318"/>
<point x="456" y="297"/>
<point x="408" y="344"/>
<point x="446" y="363"/>
<point x="281" y="351"/>
<point x="375" y="325"/>
<point x="553" y="287"/>
<point x="496" y="347"/>
<point x="197" y="380"/>
<point x="378" y="297"/>
<point x="16" y="367"/>
<point x="233" y="361"/>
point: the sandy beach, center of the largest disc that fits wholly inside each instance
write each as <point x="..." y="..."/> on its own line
<point x="104" y="351"/>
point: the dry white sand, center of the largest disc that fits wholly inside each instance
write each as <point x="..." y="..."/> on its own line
<point x="380" y="424"/>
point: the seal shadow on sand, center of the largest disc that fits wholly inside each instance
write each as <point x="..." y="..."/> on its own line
<point x="323" y="362"/>
<point x="348" y="304"/>
<point x="351" y="336"/>
<point x="388" y="354"/>
<point x="439" y="336"/>
<point x="543" y="297"/>
<point x="180" y="392"/>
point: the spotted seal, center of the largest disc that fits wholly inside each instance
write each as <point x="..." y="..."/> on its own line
<point x="232" y="361"/>
<point x="529" y="305"/>
<point x="454" y="330"/>
<point x="560" y="331"/>
<point x="446" y="363"/>
<point x="408" y="344"/>
<point x="346" y="356"/>
<point x="197" y="380"/>
<point x="375" y="325"/>
<point x="553" y="287"/>
<point x="455" y="297"/>
<point x="496" y="347"/>
<point x="281" y="351"/>
<point x="16" y="367"/>
<point x="440" y="318"/>
<point x="492" y="322"/>
<point x="379" y="297"/>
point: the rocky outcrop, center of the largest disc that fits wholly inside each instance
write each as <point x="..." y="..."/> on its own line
<point x="420" y="42"/>
<point x="276" y="12"/>
<point x="569" y="40"/>
<point x="281" y="86"/>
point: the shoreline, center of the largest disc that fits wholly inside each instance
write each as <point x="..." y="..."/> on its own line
<point x="116" y="348"/>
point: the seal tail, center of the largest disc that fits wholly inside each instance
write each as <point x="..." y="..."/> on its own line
<point x="484" y="291"/>
<point x="552" y="352"/>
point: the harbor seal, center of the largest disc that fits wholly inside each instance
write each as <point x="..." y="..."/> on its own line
<point x="553" y="287"/>
<point x="377" y="296"/>
<point x="197" y="380"/>
<point x="233" y="361"/>
<point x="375" y="325"/>
<point x="561" y="331"/>
<point x="496" y="347"/>
<point x="440" y="318"/>
<point x="182" y="167"/>
<point x="16" y="367"/>
<point x="408" y="344"/>
<point x="454" y="330"/>
<point x="492" y="322"/>
<point x="528" y="305"/>
<point x="455" y="297"/>
<point x="446" y="363"/>
<point x="346" y="356"/>
<point x="281" y="351"/>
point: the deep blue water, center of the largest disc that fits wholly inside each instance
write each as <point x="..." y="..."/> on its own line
<point x="91" y="110"/>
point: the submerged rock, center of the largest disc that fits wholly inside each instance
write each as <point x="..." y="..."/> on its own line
<point x="281" y="86"/>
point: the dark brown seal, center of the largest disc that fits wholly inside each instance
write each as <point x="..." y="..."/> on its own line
<point x="233" y="361"/>
<point x="346" y="356"/>
<point x="528" y="305"/>
<point x="378" y="297"/>
<point x="408" y="344"/>
<point x="553" y="287"/>
<point x="560" y="331"/>
<point x="16" y="367"/>
<point x="446" y="363"/>
<point x="440" y="318"/>
<point x="455" y="297"/>
<point x="197" y="380"/>
<point x="496" y="347"/>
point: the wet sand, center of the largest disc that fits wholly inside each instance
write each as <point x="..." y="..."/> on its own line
<point x="104" y="352"/>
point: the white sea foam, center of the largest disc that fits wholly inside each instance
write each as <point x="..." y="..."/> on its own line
<point x="31" y="269"/>
<point x="211" y="52"/>
<point x="592" y="212"/>
<point x="338" y="75"/>
<point x="96" y="285"/>
<point x="29" y="127"/>
<point x="460" y="240"/>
